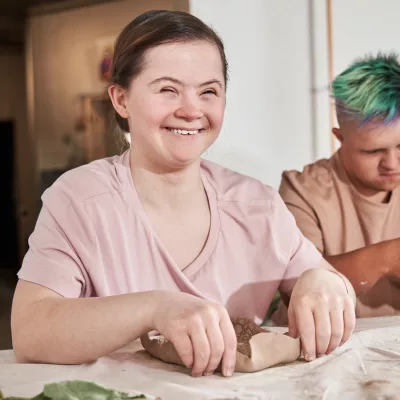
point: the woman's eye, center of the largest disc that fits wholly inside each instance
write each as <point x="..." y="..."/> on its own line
<point x="168" y="90"/>
<point x="210" y="91"/>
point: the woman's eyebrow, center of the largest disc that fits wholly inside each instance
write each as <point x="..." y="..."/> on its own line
<point x="167" y="78"/>
<point x="212" y="81"/>
<point x="178" y="82"/>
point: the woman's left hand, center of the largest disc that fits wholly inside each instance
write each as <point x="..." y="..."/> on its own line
<point x="321" y="312"/>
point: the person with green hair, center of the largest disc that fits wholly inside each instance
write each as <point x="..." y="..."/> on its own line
<point x="349" y="205"/>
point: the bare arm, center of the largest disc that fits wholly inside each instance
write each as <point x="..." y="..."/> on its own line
<point x="364" y="267"/>
<point x="339" y="276"/>
<point x="327" y="266"/>
<point x="48" y="328"/>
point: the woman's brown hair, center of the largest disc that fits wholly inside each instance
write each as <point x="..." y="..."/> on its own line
<point x="152" y="29"/>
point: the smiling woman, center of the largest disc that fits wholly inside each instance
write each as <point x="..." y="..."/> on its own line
<point x="175" y="86"/>
<point x="159" y="239"/>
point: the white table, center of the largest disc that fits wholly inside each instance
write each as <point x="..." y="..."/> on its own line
<point x="366" y="367"/>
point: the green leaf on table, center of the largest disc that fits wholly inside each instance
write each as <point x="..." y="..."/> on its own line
<point x="77" y="390"/>
<point x="82" y="390"/>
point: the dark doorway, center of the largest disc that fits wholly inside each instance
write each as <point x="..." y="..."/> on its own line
<point x="8" y="225"/>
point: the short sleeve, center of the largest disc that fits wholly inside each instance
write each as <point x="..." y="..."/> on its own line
<point x="303" y="213"/>
<point x="59" y="245"/>
<point x="294" y="250"/>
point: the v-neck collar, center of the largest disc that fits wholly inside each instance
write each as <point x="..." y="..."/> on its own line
<point x="213" y="234"/>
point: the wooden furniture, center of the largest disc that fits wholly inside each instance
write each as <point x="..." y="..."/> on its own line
<point x="96" y="123"/>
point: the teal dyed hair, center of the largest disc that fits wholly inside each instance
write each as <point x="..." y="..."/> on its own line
<point x="368" y="89"/>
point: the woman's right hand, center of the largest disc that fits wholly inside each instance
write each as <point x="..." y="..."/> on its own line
<point x="200" y="330"/>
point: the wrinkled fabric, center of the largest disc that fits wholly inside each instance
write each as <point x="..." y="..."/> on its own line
<point x="366" y="367"/>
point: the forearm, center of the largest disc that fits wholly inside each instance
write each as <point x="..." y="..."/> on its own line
<point x="364" y="267"/>
<point x="75" y="331"/>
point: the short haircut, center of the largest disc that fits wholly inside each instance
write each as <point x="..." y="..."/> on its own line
<point x="369" y="89"/>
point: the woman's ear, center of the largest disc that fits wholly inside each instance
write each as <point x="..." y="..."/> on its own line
<point x="118" y="98"/>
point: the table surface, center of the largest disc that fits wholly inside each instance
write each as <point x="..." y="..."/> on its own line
<point x="366" y="367"/>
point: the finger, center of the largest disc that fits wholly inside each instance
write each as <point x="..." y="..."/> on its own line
<point x="230" y="346"/>
<point x="292" y="324"/>
<point x="349" y="317"/>
<point x="201" y="351"/>
<point x="217" y="347"/>
<point x="306" y="329"/>
<point x="184" y="348"/>
<point x="322" y="328"/>
<point x="337" y="328"/>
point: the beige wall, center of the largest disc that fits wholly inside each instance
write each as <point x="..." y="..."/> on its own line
<point x="63" y="49"/>
<point x="13" y="106"/>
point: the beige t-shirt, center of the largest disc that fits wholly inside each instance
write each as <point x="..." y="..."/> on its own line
<point x="337" y="219"/>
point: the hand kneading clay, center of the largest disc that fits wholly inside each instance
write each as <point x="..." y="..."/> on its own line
<point x="257" y="348"/>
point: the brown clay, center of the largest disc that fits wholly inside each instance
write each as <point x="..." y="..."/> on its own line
<point x="245" y="329"/>
<point x="257" y="348"/>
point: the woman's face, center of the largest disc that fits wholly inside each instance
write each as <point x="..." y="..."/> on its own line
<point x="175" y="106"/>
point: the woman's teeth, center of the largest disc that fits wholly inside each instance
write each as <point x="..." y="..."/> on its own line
<point x="184" y="132"/>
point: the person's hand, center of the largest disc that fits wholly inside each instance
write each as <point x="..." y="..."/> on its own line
<point x="201" y="332"/>
<point x="321" y="312"/>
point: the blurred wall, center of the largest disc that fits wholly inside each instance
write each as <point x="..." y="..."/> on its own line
<point x="278" y="113"/>
<point x="64" y="48"/>
<point x="273" y="49"/>
<point x="363" y="26"/>
<point x="278" y="108"/>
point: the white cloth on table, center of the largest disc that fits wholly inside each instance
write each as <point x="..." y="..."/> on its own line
<point x="366" y="367"/>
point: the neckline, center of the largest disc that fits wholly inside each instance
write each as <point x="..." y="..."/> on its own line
<point x="213" y="234"/>
<point x="343" y="176"/>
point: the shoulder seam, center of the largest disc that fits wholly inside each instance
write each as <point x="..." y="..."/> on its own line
<point x="278" y="250"/>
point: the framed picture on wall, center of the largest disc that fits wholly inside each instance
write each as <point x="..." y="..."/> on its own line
<point x="104" y="55"/>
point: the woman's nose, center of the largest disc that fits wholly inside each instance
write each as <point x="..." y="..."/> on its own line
<point x="189" y="110"/>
